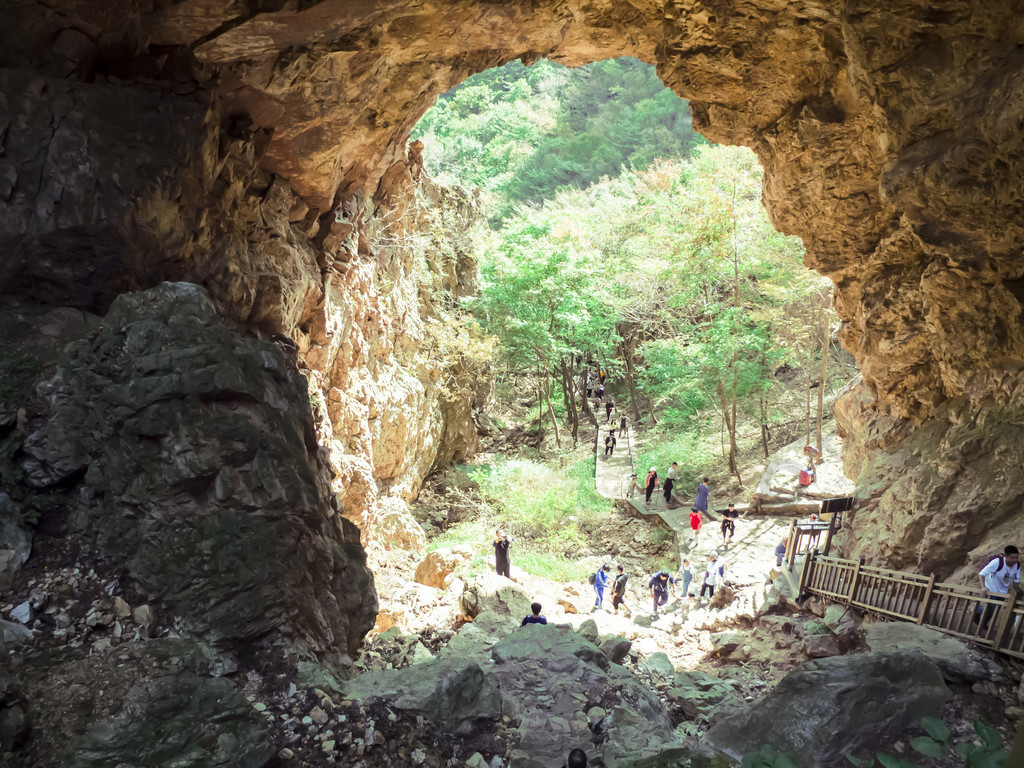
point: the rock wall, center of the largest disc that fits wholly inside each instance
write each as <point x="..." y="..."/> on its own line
<point x="193" y="470"/>
<point x="940" y="497"/>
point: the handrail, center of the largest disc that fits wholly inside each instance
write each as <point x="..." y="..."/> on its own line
<point x="994" y="621"/>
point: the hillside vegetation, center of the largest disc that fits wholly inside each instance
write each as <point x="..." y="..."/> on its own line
<point x="621" y="240"/>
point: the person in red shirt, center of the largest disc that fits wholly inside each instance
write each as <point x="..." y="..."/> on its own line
<point x="696" y="521"/>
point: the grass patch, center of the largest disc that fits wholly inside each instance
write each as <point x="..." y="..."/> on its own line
<point x="548" y="510"/>
<point x="687" y="448"/>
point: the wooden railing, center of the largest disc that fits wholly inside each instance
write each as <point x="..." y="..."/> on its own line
<point x="805" y="538"/>
<point x="949" y="608"/>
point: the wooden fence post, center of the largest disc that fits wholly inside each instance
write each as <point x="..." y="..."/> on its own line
<point x="855" y="580"/>
<point x="790" y="544"/>
<point x="806" y="573"/>
<point x="1006" y="616"/>
<point x="831" y="530"/>
<point x="923" y="612"/>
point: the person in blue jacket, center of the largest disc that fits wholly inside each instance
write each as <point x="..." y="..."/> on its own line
<point x="600" y="582"/>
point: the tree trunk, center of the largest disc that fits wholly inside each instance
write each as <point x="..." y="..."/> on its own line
<point x="763" y="399"/>
<point x="627" y="358"/>
<point x="729" y="418"/>
<point x="569" y="393"/>
<point x="551" y="411"/>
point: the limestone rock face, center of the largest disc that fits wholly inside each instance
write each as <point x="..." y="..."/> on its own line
<point x="201" y="474"/>
<point x="937" y="497"/>
<point x="826" y="708"/>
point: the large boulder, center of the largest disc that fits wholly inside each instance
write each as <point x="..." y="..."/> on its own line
<point x="177" y="721"/>
<point x="452" y="691"/>
<point x="15" y="543"/>
<point x="551" y="677"/>
<point x="698" y="694"/>
<point x="959" y="662"/>
<point x="438" y="567"/>
<point x="779" y="481"/>
<point x="826" y="708"/>
<point x="491" y="592"/>
<point x="202" y="475"/>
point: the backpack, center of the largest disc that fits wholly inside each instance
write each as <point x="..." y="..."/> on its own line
<point x="988" y="561"/>
<point x="592" y="578"/>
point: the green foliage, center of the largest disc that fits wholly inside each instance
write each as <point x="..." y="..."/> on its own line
<point x="939" y="743"/>
<point x="547" y="510"/>
<point x="522" y="133"/>
<point x="683" y="447"/>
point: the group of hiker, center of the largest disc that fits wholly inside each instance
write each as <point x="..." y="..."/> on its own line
<point x="658" y="586"/>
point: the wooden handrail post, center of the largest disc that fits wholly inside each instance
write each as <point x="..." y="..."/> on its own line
<point x="791" y="544"/>
<point x="806" y="572"/>
<point x="855" y="580"/>
<point x="1006" y="616"/>
<point x="831" y="530"/>
<point x="923" y="612"/>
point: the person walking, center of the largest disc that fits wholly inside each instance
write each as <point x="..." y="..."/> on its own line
<point x="651" y="483"/>
<point x="619" y="592"/>
<point x="703" y="491"/>
<point x="670" y="480"/>
<point x="996" y="577"/>
<point x="696" y="521"/>
<point x="780" y="553"/>
<point x="609" y="444"/>
<point x="729" y="523"/>
<point x="534" y="617"/>
<point x="502" y="564"/>
<point x="659" y="586"/>
<point x="608" y="407"/>
<point x="600" y="582"/>
<point x="622" y="426"/>
<point x="713" y="576"/>
<point x="686" y="576"/>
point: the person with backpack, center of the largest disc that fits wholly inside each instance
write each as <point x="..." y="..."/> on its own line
<point x="600" y="581"/>
<point x="622" y="427"/>
<point x="696" y="521"/>
<point x="659" y="586"/>
<point x="670" y="479"/>
<point x="651" y="484"/>
<point x="502" y="564"/>
<point x="619" y="592"/>
<point x="729" y="523"/>
<point x="995" y="577"/>
<point x="609" y="444"/>
<point x="713" y="576"/>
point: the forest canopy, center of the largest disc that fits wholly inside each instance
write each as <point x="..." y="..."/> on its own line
<point x="618" y="235"/>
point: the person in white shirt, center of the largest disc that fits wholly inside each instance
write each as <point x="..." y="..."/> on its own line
<point x="995" y="578"/>
<point x="713" y="576"/>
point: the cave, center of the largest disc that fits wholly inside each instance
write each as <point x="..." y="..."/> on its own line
<point x="260" y="150"/>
